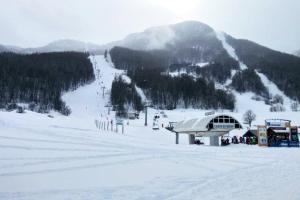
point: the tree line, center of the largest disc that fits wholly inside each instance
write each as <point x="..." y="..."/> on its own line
<point x="124" y="97"/>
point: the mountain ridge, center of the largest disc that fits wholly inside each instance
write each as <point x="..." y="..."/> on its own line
<point x="208" y="60"/>
<point x="61" y="45"/>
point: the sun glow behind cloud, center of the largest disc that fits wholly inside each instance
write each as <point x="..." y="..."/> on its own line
<point x="178" y="7"/>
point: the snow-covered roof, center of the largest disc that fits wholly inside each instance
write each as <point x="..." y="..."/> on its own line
<point x="202" y="124"/>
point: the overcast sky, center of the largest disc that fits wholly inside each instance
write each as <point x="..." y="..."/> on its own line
<point x="31" y="23"/>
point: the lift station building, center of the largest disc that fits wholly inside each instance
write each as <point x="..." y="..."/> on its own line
<point x="212" y="126"/>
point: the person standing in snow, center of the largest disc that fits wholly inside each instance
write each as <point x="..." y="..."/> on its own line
<point x="111" y="124"/>
<point x="241" y="139"/>
<point x="248" y="140"/>
<point x="227" y="141"/>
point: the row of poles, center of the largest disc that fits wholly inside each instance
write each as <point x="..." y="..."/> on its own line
<point x="108" y="126"/>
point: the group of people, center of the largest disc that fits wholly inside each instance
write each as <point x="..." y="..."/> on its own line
<point x="224" y="142"/>
<point x="250" y="140"/>
<point x="246" y="140"/>
<point x="240" y="140"/>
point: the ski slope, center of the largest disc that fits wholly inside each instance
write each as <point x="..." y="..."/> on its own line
<point x="89" y="101"/>
<point x="274" y="90"/>
<point x="230" y="50"/>
<point x="69" y="158"/>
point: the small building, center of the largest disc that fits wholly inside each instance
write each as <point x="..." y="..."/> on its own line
<point x="278" y="133"/>
<point x="250" y="137"/>
<point x="212" y="126"/>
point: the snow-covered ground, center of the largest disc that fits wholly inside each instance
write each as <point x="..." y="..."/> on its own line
<point x="69" y="158"/>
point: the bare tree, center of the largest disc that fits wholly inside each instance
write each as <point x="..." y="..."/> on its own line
<point x="249" y="117"/>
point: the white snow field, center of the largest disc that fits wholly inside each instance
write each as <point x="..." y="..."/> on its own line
<point x="68" y="158"/>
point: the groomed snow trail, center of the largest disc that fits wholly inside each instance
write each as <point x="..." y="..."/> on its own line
<point x="230" y="50"/>
<point x="68" y="158"/>
<point x="89" y="100"/>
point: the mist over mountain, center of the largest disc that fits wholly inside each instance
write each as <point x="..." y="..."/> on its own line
<point x="163" y="36"/>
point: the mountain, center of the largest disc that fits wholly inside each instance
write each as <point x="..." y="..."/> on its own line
<point x="165" y="36"/>
<point x="189" y="64"/>
<point x="297" y="53"/>
<point x="187" y="42"/>
<point x="56" y="46"/>
<point x="3" y="48"/>
<point x="63" y="45"/>
<point x="8" y="48"/>
<point x="195" y="49"/>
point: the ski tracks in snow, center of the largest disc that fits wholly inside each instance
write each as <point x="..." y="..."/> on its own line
<point x="115" y="166"/>
<point x="61" y="158"/>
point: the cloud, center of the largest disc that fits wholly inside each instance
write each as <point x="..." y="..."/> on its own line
<point x="35" y="22"/>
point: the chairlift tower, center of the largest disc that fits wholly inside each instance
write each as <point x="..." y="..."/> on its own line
<point x="103" y="88"/>
<point x="146" y="105"/>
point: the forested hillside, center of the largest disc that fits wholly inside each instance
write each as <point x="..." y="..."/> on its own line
<point x="248" y="81"/>
<point x="149" y="71"/>
<point x="281" y="68"/>
<point x="40" y="79"/>
<point x="124" y="97"/>
<point x="128" y="59"/>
